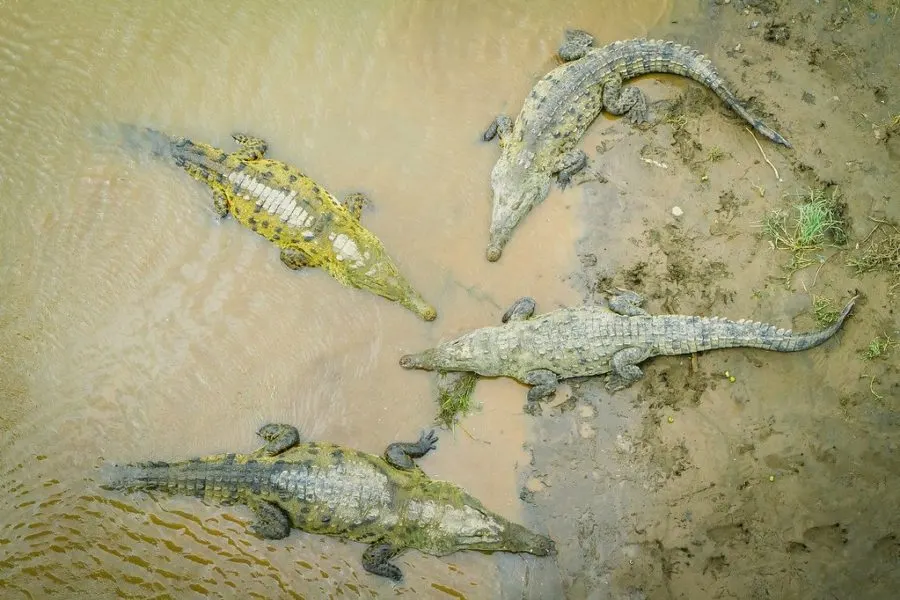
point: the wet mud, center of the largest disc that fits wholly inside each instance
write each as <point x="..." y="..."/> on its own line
<point x="135" y="326"/>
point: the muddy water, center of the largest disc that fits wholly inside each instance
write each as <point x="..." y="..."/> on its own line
<point x="135" y="325"/>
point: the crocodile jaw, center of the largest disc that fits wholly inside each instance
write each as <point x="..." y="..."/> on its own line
<point x="517" y="190"/>
<point x="382" y="278"/>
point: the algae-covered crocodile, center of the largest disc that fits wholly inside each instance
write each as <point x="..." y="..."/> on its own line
<point x="592" y="340"/>
<point x="386" y="502"/>
<point x="310" y="226"/>
<point x="541" y="144"/>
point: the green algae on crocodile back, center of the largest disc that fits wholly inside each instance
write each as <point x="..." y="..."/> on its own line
<point x="386" y="502"/>
<point x="540" y="144"/>
<point x="277" y="201"/>
<point x="593" y="340"/>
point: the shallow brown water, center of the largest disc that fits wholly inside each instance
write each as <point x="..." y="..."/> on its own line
<point x="134" y="325"/>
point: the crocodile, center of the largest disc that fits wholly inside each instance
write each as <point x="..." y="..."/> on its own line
<point x="309" y="225"/>
<point x="541" y="143"/>
<point x="593" y="340"/>
<point x="386" y="501"/>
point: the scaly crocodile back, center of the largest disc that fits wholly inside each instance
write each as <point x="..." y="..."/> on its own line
<point x="632" y="58"/>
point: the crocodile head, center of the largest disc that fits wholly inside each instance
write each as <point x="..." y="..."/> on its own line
<point x="382" y="277"/>
<point x="512" y="538"/>
<point x="517" y="189"/>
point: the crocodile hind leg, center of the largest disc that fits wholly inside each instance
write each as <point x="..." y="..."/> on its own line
<point x="376" y="559"/>
<point x="626" y="302"/>
<point x="252" y="148"/>
<point x="355" y="203"/>
<point x="628" y="101"/>
<point x="544" y="384"/>
<point x="271" y="522"/>
<point x="401" y="454"/>
<point x="575" y="45"/>
<point x="624" y="370"/>
<point x="521" y="309"/>
<point x="569" y="164"/>
<point x="220" y="203"/>
<point x="502" y="126"/>
<point x="294" y="259"/>
<point x="279" y="437"/>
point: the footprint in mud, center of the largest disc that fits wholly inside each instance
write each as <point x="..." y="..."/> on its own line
<point x="832" y="536"/>
<point x="724" y="534"/>
<point x="888" y="548"/>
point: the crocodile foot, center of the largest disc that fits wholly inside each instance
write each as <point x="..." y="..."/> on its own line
<point x="279" y="436"/>
<point x="401" y="454"/>
<point x="376" y="559"/>
<point x="502" y="126"/>
<point x="628" y="101"/>
<point x="576" y="44"/>
<point x="626" y="302"/>
<point x="271" y="522"/>
<point x="521" y="309"/>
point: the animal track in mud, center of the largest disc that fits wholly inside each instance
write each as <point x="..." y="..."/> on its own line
<point x="726" y="534"/>
<point x="832" y="536"/>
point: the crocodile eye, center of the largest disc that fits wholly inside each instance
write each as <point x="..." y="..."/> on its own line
<point x="326" y="519"/>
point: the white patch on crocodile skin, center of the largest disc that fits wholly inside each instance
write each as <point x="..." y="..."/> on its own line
<point x="275" y="204"/>
<point x="267" y="205"/>
<point x="246" y="196"/>
<point x="257" y="191"/>
<point x="308" y="235"/>
<point x="339" y="242"/>
<point x="232" y="176"/>
<point x="346" y="249"/>
<point x="309" y="221"/>
<point x="287" y="209"/>
<point x="331" y="236"/>
<point x="292" y="218"/>
<point x="265" y="194"/>
<point x="276" y="198"/>
<point x="464" y="522"/>
<point x="352" y="492"/>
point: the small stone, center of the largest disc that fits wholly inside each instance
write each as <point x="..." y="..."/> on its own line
<point x="739" y="48"/>
<point x="586" y="411"/>
<point x="676" y="211"/>
<point x="534" y="485"/>
<point x="671" y="419"/>
<point x="753" y="25"/>
<point x="586" y="430"/>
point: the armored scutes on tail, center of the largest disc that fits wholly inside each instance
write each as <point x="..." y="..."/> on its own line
<point x="277" y="201"/>
<point x="386" y="502"/>
<point x="541" y="144"/>
<point x="592" y="340"/>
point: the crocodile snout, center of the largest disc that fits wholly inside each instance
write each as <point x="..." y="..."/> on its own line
<point x="493" y="252"/>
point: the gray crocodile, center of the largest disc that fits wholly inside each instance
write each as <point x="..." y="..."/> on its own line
<point x="592" y="340"/>
<point x="386" y="502"/>
<point x="540" y="145"/>
<point x="277" y="201"/>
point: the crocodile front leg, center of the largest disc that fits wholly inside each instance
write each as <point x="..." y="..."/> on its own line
<point x="220" y="203"/>
<point x="252" y="148"/>
<point x="569" y="164"/>
<point x="628" y="101"/>
<point x="624" y="370"/>
<point x="294" y="259"/>
<point x="376" y="559"/>
<point x="401" y="454"/>
<point x="521" y="309"/>
<point x="502" y="126"/>
<point x="355" y="203"/>
<point x="271" y="523"/>
<point x="576" y="44"/>
<point x="279" y="437"/>
<point x="626" y="302"/>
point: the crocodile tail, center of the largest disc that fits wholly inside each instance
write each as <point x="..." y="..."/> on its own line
<point x="663" y="56"/>
<point x="722" y="333"/>
<point x="137" y="476"/>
